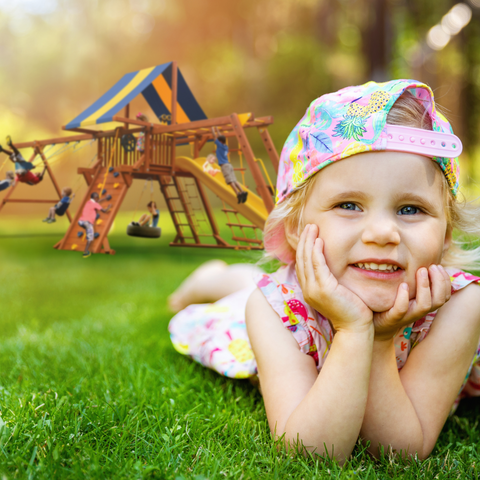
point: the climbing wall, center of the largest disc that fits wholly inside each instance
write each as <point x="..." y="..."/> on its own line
<point x="106" y="182"/>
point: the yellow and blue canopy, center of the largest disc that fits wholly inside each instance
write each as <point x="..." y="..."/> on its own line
<point x="155" y="84"/>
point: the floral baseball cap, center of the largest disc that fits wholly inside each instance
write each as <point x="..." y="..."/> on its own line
<point x="354" y="120"/>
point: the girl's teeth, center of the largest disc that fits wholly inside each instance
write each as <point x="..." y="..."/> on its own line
<point x="374" y="266"/>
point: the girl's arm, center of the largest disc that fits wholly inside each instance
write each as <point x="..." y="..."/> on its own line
<point x="324" y="412"/>
<point x="407" y="410"/>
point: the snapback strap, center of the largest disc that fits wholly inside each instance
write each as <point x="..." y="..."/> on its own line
<point x="423" y="142"/>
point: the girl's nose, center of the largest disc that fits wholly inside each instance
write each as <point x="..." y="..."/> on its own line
<point x="381" y="230"/>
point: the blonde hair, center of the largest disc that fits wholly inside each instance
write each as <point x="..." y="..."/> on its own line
<point x="9" y="174"/>
<point x="462" y="217"/>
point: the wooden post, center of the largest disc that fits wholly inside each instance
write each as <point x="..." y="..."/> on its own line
<point x="174" y="94"/>
<point x="209" y="212"/>
<point x="148" y="148"/>
<point x="272" y="153"/>
<point x="196" y="150"/>
<point x="256" y="173"/>
<point x="100" y="150"/>
<point x="7" y="196"/>
<point x="127" y="114"/>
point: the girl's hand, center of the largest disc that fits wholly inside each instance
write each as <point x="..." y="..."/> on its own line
<point x="405" y="311"/>
<point x="321" y="289"/>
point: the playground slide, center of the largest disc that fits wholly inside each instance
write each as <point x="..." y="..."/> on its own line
<point x="253" y="209"/>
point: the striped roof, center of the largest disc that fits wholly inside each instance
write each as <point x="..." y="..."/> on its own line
<point x="155" y="84"/>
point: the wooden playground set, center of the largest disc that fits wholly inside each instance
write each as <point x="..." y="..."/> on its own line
<point x="182" y="180"/>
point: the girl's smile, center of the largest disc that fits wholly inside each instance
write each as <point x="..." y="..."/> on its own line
<point x="379" y="228"/>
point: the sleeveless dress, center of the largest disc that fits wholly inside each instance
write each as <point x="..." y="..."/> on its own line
<point x="215" y="335"/>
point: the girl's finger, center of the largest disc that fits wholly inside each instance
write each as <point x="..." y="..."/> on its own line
<point x="299" y="265"/>
<point x="448" y="281"/>
<point x="400" y="307"/>
<point x="319" y="263"/>
<point x="310" y="238"/>
<point x="438" y="286"/>
<point x="423" y="299"/>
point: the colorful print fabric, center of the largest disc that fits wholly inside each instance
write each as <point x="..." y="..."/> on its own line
<point x="215" y="335"/>
<point x="341" y="124"/>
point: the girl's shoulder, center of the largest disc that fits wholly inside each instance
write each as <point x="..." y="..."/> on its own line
<point x="283" y="293"/>
<point x="461" y="279"/>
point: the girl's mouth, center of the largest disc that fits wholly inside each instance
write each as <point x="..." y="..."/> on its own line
<point x="375" y="267"/>
<point x="378" y="271"/>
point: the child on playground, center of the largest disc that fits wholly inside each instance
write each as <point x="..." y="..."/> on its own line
<point x="141" y="136"/>
<point x="22" y="167"/>
<point x="227" y="168"/>
<point x="61" y="207"/>
<point x="371" y="329"/>
<point x="208" y="165"/>
<point x="9" y="180"/>
<point x="89" y="215"/>
<point x="145" y="219"/>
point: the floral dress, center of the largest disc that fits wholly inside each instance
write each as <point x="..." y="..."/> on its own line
<point x="215" y="334"/>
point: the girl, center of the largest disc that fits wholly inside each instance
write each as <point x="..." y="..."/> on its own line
<point x="208" y="166"/>
<point x="145" y="219"/>
<point x="371" y="329"/>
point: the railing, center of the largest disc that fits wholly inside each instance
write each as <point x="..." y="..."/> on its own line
<point x="161" y="148"/>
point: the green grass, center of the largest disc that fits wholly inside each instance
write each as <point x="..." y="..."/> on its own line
<point x="90" y="386"/>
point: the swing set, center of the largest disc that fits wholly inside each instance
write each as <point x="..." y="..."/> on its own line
<point x="181" y="180"/>
<point x="142" y="230"/>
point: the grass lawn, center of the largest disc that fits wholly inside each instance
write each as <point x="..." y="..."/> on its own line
<point x="90" y="386"/>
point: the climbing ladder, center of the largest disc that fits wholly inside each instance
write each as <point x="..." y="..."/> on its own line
<point x="105" y="181"/>
<point x="191" y="212"/>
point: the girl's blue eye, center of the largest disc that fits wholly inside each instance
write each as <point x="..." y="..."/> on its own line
<point x="348" y="206"/>
<point x="409" y="210"/>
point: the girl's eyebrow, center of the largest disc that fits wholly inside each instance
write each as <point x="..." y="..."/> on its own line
<point x="349" y="195"/>
<point x="413" y="197"/>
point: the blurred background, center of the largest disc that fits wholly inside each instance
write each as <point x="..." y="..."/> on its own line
<point x="270" y="57"/>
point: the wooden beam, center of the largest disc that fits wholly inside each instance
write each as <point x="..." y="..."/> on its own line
<point x="52" y="177"/>
<point x="133" y="121"/>
<point x="267" y="141"/>
<point x="127" y="114"/>
<point x="174" y="93"/>
<point x="30" y="200"/>
<point x="83" y="130"/>
<point x="207" y="123"/>
<point x="254" y="169"/>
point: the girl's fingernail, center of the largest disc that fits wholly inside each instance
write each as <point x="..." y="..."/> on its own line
<point x="434" y="267"/>
<point x="424" y="272"/>
<point x="405" y="286"/>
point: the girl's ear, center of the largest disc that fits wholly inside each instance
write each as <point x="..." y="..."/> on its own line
<point x="291" y="233"/>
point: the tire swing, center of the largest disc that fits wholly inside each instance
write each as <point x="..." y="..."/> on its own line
<point x="144" y="231"/>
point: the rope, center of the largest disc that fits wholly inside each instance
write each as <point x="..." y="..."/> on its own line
<point x="77" y="184"/>
<point x="139" y="200"/>
<point x="151" y="190"/>
<point x="266" y="173"/>
<point x="3" y="164"/>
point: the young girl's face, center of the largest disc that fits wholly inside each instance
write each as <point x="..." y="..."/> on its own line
<point x="382" y="217"/>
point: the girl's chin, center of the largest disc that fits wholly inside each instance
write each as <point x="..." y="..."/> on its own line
<point x="378" y="302"/>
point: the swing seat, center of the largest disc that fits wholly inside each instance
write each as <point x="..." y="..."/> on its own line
<point x="145" y="232"/>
